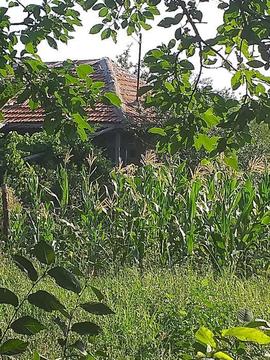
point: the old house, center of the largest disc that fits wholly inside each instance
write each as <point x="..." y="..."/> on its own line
<point x="117" y="127"/>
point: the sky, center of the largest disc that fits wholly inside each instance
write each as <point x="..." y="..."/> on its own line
<point x="85" y="46"/>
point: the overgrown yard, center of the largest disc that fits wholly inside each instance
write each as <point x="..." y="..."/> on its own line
<point x="180" y="253"/>
<point x="156" y="314"/>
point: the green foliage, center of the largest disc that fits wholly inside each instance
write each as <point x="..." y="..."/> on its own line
<point x="27" y="325"/>
<point x="25" y="76"/>
<point x="243" y="36"/>
<point x="220" y="346"/>
<point x="240" y="45"/>
<point x="156" y="214"/>
<point x="48" y="153"/>
<point x="157" y="313"/>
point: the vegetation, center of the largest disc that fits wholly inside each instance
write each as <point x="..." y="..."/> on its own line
<point x="159" y="229"/>
<point x="158" y="214"/>
<point x="179" y="248"/>
<point x="206" y="121"/>
<point x="156" y="315"/>
<point x="28" y="326"/>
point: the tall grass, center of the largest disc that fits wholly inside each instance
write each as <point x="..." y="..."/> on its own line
<point x="154" y="215"/>
<point x="157" y="314"/>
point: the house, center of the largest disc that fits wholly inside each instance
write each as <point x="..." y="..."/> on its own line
<point x="117" y="127"/>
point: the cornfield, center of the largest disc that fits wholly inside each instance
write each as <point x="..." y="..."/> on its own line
<point x="153" y="215"/>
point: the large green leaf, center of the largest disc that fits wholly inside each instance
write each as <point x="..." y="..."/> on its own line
<point x="209" y="143"/>
<point x="65" y="279"/>
<point x="236" y="80"/>
<point x="8" y="297"/>
<point x="45" y="301"/>
<point x="84" y="70"/>
<point x="248" y="334"/>
<point x="255" y="63"/>
<point x="157" y="131"/>
<point x="86" y="328"/>
<point x="27" y="325"/>
<point x="44" y="253"/>
<point x="97" y="308"/>
<point x="222" y="356"/>
<point x="13" y="347"/>
<point x="26" y="266"/>
<point x="206" y="337"/>
<point x="113" y="98"/>
<point x="96" y="28"/>
<point x="210" y="118"/>
<point x="231" y="160"/>
<point x="167" y="22"/>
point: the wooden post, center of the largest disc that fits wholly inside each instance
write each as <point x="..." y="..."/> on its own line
<point x="117" y="148"/>
<point x="5" y="211"/>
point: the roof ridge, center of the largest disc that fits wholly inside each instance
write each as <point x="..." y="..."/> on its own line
<point x="119" y="68"/>
<point x="111" y="77"/>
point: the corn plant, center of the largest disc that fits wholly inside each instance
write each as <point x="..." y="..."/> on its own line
<point x="156" y="214"/>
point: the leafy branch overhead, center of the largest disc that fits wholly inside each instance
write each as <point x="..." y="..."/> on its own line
<point x="197" y="116"/>
<point x="28" y="326"/>
<point x="241" y="46"/>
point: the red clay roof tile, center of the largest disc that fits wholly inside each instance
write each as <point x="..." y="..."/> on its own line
<point x="115" y="78"/>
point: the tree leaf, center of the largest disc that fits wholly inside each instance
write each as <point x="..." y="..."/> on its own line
<point x="44" y="253"/>
<point x="231" y="160"/>
<point x="96" y="28"/>
<point x="111" y="4"/>
<point x="258" y="323"/>
<point x="221" y="355"/>
<point x="255" y="63"/>
<point x="210" y="118"/>
<point x="186" y="64"/>
<point x="13" y="347"/>
<point x="26" y="266"/>
<point x="88" y="4"/>
<point x="206" y="337"/>
<point x="113" y="98"/>
<point x="236" y="80"/>
<point x="157" y="131"/>
<point x="65" y="279"/>
<point x="97" y="308"/>
<point x="209" y="143"/>
<point x="79" y="345"/>
<point x="8" y="297"/>
<point x="106" y="33"/>
<point x="62" y="325"/>
<point x="52" y="43"/>
<point x="248" y="334"/>
<point x="46" y="301"/>
<point x="98" y="293"/>
<point x="178" y="33"/>
<point x="86" y="328"/>
<point x="36" y="356"/>
<point x="27" y="325"/>
<point x="167" y="22"/>
<point x="84" y="70"/>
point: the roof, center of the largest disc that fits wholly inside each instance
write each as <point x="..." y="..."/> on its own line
<point x="20" y="116"/>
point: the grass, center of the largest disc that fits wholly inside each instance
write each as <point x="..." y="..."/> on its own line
<point x="157" y="314"/>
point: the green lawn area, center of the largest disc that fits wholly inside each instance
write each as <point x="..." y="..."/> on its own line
<point x="157" y="314"/>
